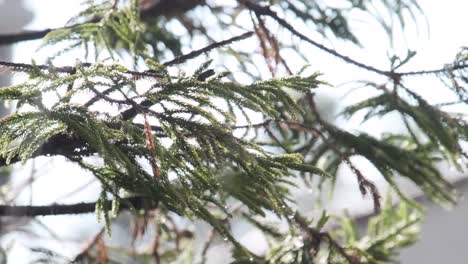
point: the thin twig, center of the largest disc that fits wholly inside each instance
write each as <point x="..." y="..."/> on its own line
<point x="156" y="245"/>
<point x="318" y="236"/>
<point x="151" y="147"/>
<point x="436" y="71"/>
<point x="363" y="182"/>
<point x="207" y="245"/>
<point x="208" y="48"/>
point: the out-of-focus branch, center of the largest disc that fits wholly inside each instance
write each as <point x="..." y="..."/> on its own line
<point x="63" y="209"/>
<point x="149" y="9"/>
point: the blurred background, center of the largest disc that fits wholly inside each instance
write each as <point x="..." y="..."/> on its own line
<point x="52" y="180"/>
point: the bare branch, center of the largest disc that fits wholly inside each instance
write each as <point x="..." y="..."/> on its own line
<point x="208" y="48"/>
<point x="436" y="71"/>
<point x="64" y="209"/>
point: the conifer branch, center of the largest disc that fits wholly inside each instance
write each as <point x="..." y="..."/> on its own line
<point x="22" y="67"/>
<point x="65" y="209"/>
<point x="57" y="145"/>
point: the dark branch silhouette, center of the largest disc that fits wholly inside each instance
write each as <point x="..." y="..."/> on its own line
<point x="65" y="209"/>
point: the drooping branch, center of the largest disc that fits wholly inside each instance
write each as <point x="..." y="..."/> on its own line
<point x="70" y="147"/>
<point x="57" y="145"/>
<point x="364" y="184"/>
<point x="65" y="209"/>
<point x="82" y="255"/>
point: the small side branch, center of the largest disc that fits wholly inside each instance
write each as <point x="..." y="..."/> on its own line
<point x="98" y="237"/>
<point x="317" y="237"/>
<point x="208" y="48"/>
<point x="65" y="209"/>
<point x="437" y="71"/>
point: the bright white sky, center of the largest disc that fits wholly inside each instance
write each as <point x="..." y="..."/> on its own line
<point x="447" y="24"/>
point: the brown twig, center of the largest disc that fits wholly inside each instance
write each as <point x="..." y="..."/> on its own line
<point x="317" y="237"/>
<point x="364" y="184"/>
<point x="82" y="255"/>
<point x="273" y="44"/>
<point x="151" y="148"/>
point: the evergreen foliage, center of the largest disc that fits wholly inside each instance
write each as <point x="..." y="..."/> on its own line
<point x="175" y="139"/>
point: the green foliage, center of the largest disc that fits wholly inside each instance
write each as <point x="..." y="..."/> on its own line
<point x="394" y="228"/>
<point x="106" y="27"/>
<point x="24" y="133"/>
